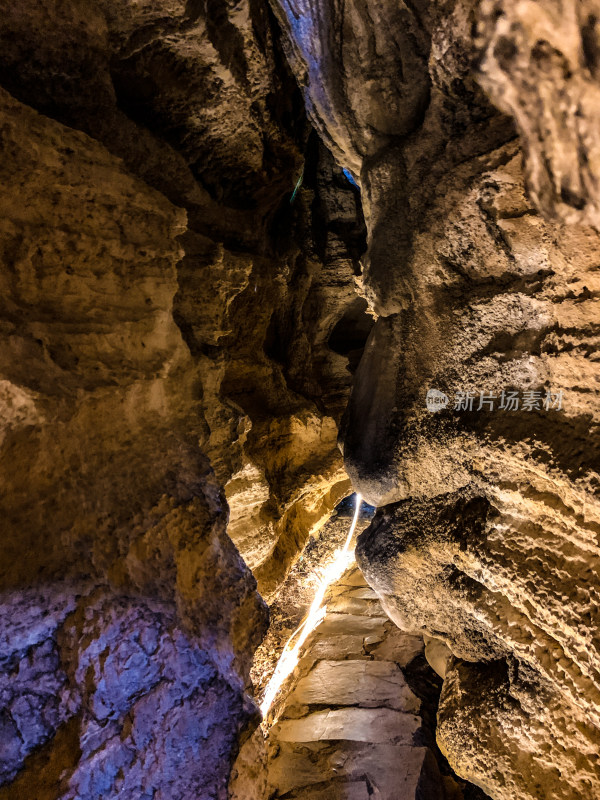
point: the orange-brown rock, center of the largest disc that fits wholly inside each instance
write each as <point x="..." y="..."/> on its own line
<point x="486" y="291"/>
<point x="169" y="399"/>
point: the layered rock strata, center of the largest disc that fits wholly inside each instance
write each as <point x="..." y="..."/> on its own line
<point x="356" y="717"/>
<point x="351" y="727"/>
<point x="487" y="296"/>
<point x="291" y="603"/>
<point x="348" y="724"/>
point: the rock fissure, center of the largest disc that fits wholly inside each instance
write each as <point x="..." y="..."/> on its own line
<point x="255" y="256"/>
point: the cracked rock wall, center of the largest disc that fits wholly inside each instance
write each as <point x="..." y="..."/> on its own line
<point x="169" y="396"/>
<point x="482" y="267"/>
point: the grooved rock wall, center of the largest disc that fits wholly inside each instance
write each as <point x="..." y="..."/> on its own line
<point x="165" y="321"/>
<point x="487" y="531"/>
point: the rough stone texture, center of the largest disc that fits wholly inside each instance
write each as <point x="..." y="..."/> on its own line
<point x="364" y="683"/>
<point x="106" y="696"/>
<point x="515" y="576"/>
<point x="408" y="128"/>
<point x="540" y="63"/>
<point x="459" y="581"/>
<point x="165" y="322"/>
<point x="486" y="537"/>
<point x="255" y="312"/>
<point x="290" y="604"/>
<point x="177" y="330"/>
<point x="356" y="723"/>
<point x="351" y="724"/>
<point x="100" y="427"/>
<point x="493" y="705"/>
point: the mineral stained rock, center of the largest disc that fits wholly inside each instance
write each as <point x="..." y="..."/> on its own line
<point x="165" y="319"/>
<point x="482" y="266"/>
<point x="105" y="695"/>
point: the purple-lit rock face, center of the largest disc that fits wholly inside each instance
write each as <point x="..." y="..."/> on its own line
<point x="35" y="697"/>
<point x="482" y="265"/>
<point x="169" y="401"/>
<point x="109" y="697"/>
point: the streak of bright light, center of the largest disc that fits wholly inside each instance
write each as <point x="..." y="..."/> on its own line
<point x="289" y="657"/>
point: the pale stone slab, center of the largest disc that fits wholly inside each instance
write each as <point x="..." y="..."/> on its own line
<point x="373" y="639"/>
<point x="395" y="770"/>
<point x="356" y="683"/>
<point x="338" y="647"/>
<point x="438" y="654"/>
<point x="334" y="624"/>
<point x="363" y="593"/>
<point x="356" y="790"/>
<point x="399" y="647"/>
<point x="353" y="578"/>
<point x="345" y="604"/>
<point x="353" y="724"/>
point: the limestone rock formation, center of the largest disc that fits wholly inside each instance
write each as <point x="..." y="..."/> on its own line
<point x="487" y="296"/>
<point x="356" y="716"/>
<point x="105" y="695"/>
<point x="484" y="722"/>
<point x="350" y="724"/>
<point x="150" y="256"/>
<point x="241" y="258"/>
<point x="194" y="310"/>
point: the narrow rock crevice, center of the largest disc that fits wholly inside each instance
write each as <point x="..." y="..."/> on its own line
<point x="256" y="256"/>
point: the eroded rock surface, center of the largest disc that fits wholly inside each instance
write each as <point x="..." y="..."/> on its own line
<point x="165" y="321"/>
<point x="106" y="695"/>
<point x="178" y="330"/>
<point x="539" y="62"/>
<point x="487" y="533"/>
<point x="354" y="720"/>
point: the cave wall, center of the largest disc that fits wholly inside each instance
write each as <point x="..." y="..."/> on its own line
<point x="160" y="88"/>
<point x="471" y="128"/>
<point x="169" y="399"/>
<point x="178" y="334"/>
